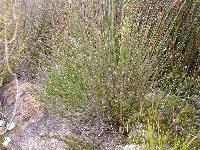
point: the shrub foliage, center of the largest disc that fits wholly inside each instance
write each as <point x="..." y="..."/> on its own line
<point x="129" y="62"/>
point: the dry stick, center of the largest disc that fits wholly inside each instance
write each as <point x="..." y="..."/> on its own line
<point x="6" y="42"/>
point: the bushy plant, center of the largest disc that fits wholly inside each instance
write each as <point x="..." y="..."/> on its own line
<point x="107" y="56"/>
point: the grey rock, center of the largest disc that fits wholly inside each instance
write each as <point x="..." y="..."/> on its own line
<point x="196" y="100"/>
<point x="44" y="134"/>
<point x="133" y="147"/>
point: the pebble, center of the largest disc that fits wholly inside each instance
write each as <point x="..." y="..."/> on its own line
<point x="7" y="140"/>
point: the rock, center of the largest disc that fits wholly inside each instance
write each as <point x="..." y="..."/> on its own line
<point x="44" y="134"/>
<point x="6" y="141"/>
<point x="133" y="132"/>
<point x="2" y="123"/>
<point x="10" y="126"/>
<point x="133" y="147"/>
<point x="196" y="100"/>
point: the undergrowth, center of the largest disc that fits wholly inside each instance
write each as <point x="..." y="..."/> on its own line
<point x="129" y="62"/>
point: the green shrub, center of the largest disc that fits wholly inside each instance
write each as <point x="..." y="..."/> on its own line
<point x="107" y="59"/>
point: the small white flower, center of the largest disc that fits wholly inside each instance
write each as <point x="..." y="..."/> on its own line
<point x="7" y="140"/>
